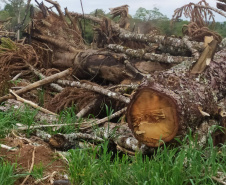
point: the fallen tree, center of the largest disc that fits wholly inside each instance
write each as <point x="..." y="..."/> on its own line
<point x="173" y="101"/>
<point x="169" y="101"/>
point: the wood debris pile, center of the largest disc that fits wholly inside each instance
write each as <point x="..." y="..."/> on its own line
<point x="160" y="86"/>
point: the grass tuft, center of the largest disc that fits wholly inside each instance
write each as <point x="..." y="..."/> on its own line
<point x="187" y="164"/>
<point x="7" y="173"/>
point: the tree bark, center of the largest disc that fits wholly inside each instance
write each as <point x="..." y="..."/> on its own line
<point x="168" y="44"/>
<point x="37" y="84"/>
<point x="99" y="65"/>
<point x="141" y="53"/>
<point x="223" y="1"/>
<point x="205" y="58"/>
<point x="174" y="101"/>
<point x="221" y="6"/>
<point x="96" y="88"/>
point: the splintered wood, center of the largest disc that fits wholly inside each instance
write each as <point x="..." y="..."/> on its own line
<point x="152" y="117"/>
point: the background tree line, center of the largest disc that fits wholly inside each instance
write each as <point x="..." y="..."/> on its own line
<point x="143" y="19"/>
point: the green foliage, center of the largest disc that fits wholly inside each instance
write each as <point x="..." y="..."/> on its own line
<point x="109" y="111"/>
<point x="220" y="28"/>
<point x="26" y="117"/>
<point x="10" y="10"/>
<point x="41" y="96"/>
<point x="4" y="15"/>
<point x="7" y="122"/>
<point x="187" y="164"/>
<point x="15" y="9"/>
<point x="9" y="119"/>
<point x="15" y="82"/>
<point x="147" y="15"/>
<point x="7" y="173"/>
<point x="7" y="43"/>
<point x="38" y="171"/>
<point x="87" y="29"/>
<point x="98" y="12"/>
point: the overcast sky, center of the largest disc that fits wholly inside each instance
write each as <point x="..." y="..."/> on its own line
<point x="166" y="7"/>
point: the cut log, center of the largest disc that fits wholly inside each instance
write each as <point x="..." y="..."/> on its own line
<point x="174" y="101"/>
<point x="205" y="57"/>
<point x="153" y="116"/>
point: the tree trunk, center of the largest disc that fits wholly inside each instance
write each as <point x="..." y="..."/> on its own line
<point x="141" y="53"/>
<point x="98" y="66"/>
<point x="166" y="44"/>
<point x="221" y="6"/>
<point x="68" y="50"/>
<point x="174" y="101"/>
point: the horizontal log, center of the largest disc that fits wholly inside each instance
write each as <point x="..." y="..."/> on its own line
<point x="162" y="58"/>
<point x="174" y="101"/>
<point x="66" y="141"/>
<point x="170" y="42"/>
<point x="94" y="88"/>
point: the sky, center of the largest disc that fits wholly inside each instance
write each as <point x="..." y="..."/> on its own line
<point x="166" y="7"/>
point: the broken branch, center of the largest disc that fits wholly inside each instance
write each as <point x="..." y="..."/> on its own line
<point x="31" y="103"/>
<point x="38" y="84"/>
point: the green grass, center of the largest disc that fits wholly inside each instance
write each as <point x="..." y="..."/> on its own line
<point x="187" y="164"/>
<point x="9" y="119"/>
<point x="7" y="173"/>
<point x="38" y="171"/>
<point x="26" y="117"/>
<point x="7" y="122"/>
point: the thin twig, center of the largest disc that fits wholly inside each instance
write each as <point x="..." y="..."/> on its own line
<point x="39" y="74"/>
<point x="125" y="151"/>
<point x="17" y="76"/>
<point x="116" y="114"/>
<point x="37" y="84"/>
<point x="46" y="126"/>
<point x="51" y="179"/>
<point x="46" y="177"/>
<point x="31" y="168"/>
<point x="132" y="86"/>
<point x="32" y="104"/>
<point x="218" y="180"/>
<point x="8" y="147"/>
<point x="86" y="109"/>
<point x="21" y="138"/>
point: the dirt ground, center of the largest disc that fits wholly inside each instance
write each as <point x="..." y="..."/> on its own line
<point x="23" y="157"/>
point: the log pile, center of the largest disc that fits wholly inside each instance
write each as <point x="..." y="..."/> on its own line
<point x="153" y="80"/>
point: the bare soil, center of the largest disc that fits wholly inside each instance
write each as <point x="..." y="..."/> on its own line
<point x="23" y="157"/>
